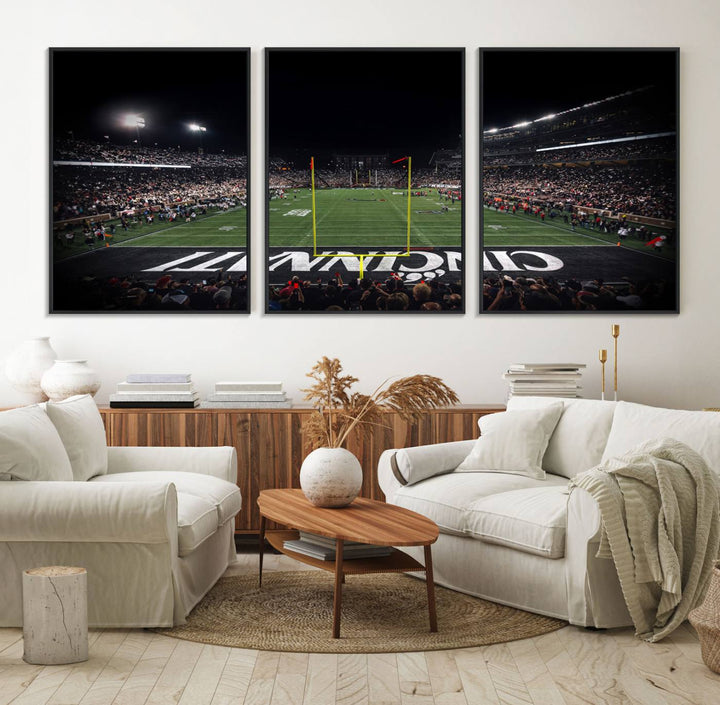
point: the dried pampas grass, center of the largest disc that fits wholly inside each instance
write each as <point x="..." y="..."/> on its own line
<point x="338" y="410"/>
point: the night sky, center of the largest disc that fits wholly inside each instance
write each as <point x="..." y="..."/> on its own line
<point x="374" y="102"/>
<point x="93" y="89"/>
<point x="524" y="85"/>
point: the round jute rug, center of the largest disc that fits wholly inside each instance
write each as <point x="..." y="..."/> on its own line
<point x="380" y="613"/>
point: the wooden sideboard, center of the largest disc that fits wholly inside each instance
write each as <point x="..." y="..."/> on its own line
<point x="270" y="443"/>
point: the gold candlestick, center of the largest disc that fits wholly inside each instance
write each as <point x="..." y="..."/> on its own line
<point x="615" y="330"/>
<point x="603" y="360"/>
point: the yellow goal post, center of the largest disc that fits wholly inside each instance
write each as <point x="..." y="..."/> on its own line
<point x="361" y="257"/>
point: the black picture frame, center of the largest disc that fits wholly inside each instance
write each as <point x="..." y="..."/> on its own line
<point x="626" y="99"/>
<point x="191" y="110"/>
<point x="306" y="80"/>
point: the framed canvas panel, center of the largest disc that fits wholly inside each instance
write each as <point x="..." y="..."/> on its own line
<point x="149" y="180"/>
<point x="365" y="208"/>
<point x="579" y="180"/>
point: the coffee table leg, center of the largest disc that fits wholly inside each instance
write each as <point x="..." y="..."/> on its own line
<point x="337" y="598"/>
<point x="261" y="548"/>
<point x="430" y="588"/>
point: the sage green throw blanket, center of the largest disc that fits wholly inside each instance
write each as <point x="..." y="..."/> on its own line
<point x="660" y="524"/>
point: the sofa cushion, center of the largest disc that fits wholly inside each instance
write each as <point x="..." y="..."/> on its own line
<point x="81" y="429"/>
<point x="513" y="442"/>
<point x="30" y="447"/>
<point x="580" y="437"/>
<point x="197" y="521"/>
<point x="421" y="462"/>
<point x="634" y="424"/>
<point x="223" y="495"/>
<point x="532" y="520"/>
<point x="446" y="499"/>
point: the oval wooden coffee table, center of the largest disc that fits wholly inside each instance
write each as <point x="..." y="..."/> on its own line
<point x="366" y="521"/>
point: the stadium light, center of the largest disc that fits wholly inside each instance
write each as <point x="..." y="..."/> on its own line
<point x="198" y="130"/>
<point x="132" y="120"/>
<point x="136" y="121"/>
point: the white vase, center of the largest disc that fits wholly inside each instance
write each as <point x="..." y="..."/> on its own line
<point x="66" y="378"/>
<point x="331" y="477"/>
<point x="25" y="367"/>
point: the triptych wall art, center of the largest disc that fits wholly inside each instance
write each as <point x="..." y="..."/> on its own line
<point x="579" y="180"/>
<point x="149" y="180"/>
<point x="364" y="188"/>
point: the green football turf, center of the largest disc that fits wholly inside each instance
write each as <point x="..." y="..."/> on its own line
<point x="364" y="217"/>
<point x="507" y="230"/>
<point x="217" y="228"/>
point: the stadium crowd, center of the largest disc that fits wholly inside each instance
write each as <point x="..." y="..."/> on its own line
<point x="87" y="191"/>
<point x="283" y="175"/>
<point x="127" y="293"/>
<point x="503" y="293"/>
<point x="660" y="148"/>
<point x="87" y="151"/>
<point x="84" y="191"/>
<point x="365" y="295"/>
<point x="637" y="190"/>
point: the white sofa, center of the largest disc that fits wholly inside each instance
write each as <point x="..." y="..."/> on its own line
<point x="529" y="542"/>
<point x="154" y="527"/>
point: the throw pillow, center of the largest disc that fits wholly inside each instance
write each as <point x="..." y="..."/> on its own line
<point x="513" y="442"/>
<point x="80" y="426"/>
<point x="579" y="439"/>
<point x="636" y="423"/>
<point x="30" y="447"/>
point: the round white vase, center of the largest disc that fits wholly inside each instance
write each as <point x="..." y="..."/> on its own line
<point x="66" y="378"/>
<point x="25" y="367"/>
<point x="331" y="477"/>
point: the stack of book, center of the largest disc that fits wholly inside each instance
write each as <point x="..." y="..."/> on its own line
<point x="155" y="391"/>
<point x="323" y="548"/>
<point x="247" y="395"/>
<point x="545" y="379"/>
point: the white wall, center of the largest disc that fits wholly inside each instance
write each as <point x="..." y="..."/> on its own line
<point x="667" y="359"/>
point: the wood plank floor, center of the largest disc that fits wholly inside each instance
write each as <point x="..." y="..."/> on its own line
<point x="568" y="667"/>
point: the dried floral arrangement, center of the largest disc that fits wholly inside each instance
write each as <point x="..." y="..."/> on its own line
<point x="338" y="410"/>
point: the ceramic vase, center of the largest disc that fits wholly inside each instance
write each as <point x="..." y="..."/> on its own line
<point x="66" y="378"/>
<point x="25" y="367"/>
<point x="331" y="477"/>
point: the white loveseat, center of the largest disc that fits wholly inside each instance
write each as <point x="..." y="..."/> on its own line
<point x="529" y="542"/>
<point x="154" y="527"/>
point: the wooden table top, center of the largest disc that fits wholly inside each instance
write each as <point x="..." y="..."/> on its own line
<point x="365" y="520"/>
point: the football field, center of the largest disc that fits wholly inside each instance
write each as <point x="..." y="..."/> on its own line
<point x="218" y="228"/>
<point x="364" y="217"/>
<point x="502" y="229"/>
<point x="520" y="244"/>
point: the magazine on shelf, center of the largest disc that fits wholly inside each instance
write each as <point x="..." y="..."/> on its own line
<point x="326" y="553"/>
<point x="326" y="540"/>
<point x="155" y="396"/>
<point x="528" y="376"/>
<point x="248" y="387"/>
<point x="154" y="404"/>
<point x="158" y="378"/>
<point x="155" y="387"/>
<point x="210" y="404"/>
<point x="248" y="396"/>
<point x="519" y="366"/>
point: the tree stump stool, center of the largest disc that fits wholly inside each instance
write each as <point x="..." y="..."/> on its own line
<point x="55" y="625"/>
